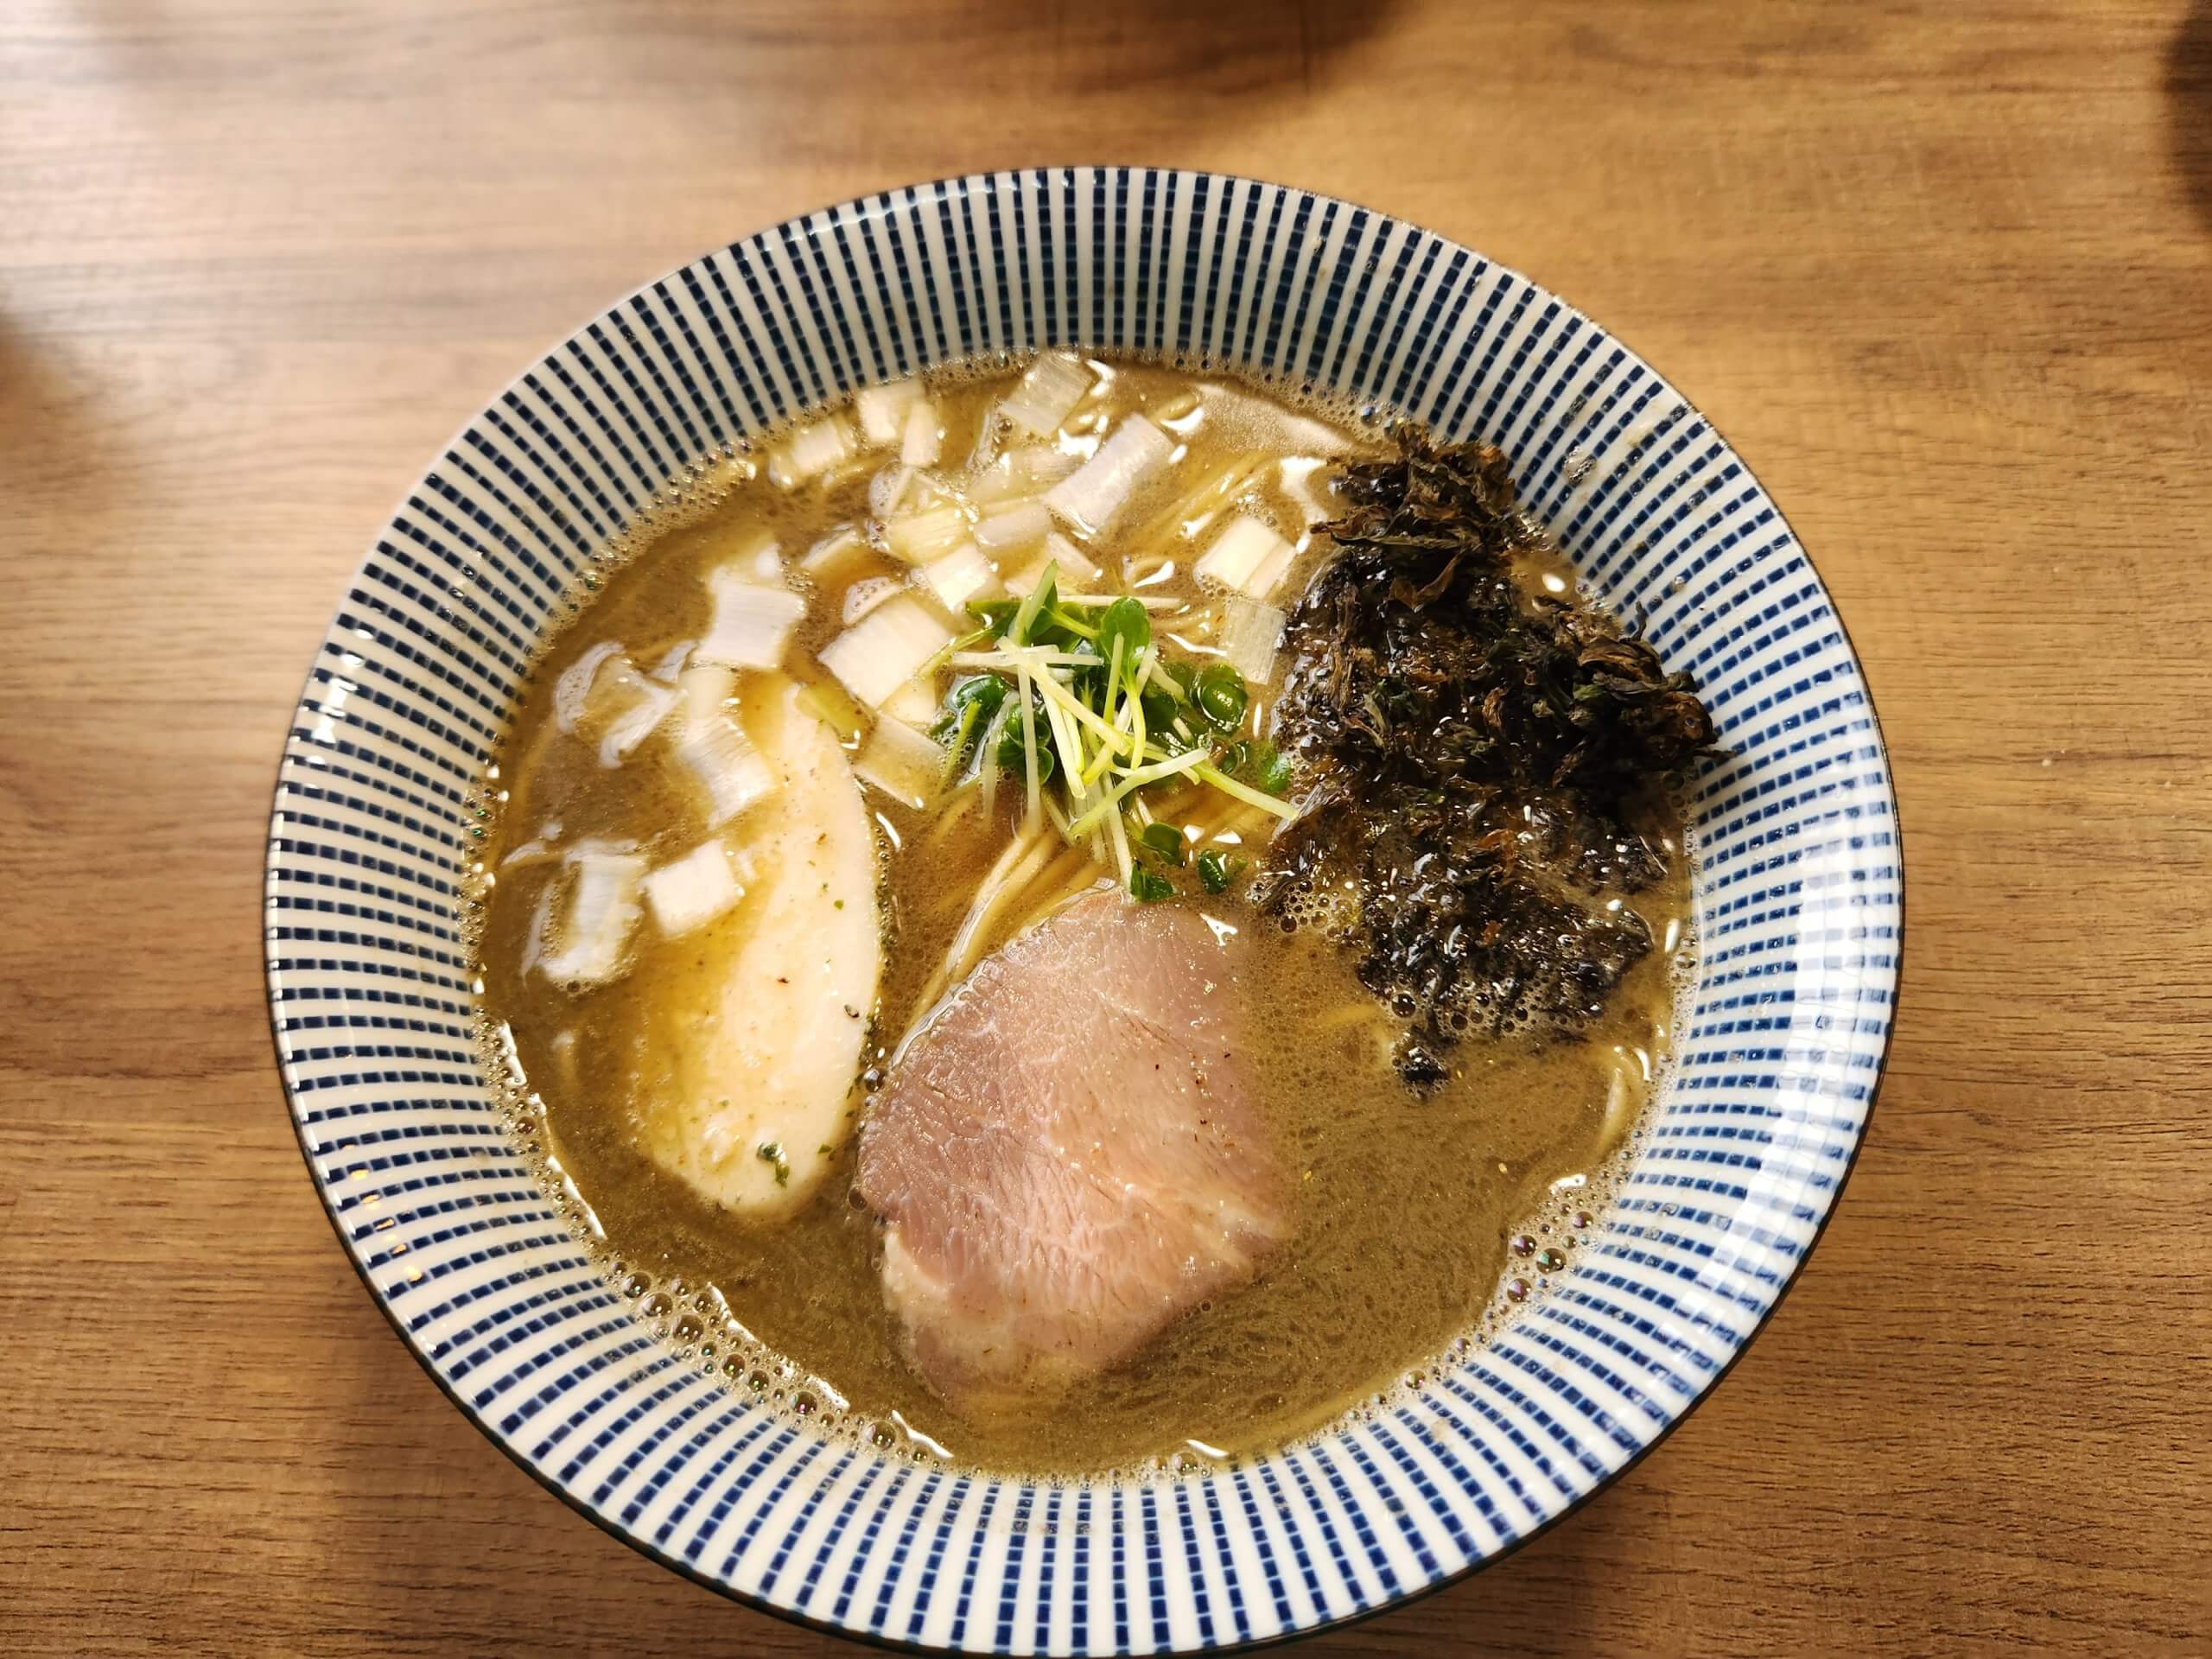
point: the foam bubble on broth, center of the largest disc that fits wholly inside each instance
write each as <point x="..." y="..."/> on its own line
<point x="1402" y="1261"/>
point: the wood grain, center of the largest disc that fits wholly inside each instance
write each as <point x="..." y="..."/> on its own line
<point x="1944" y="274"/>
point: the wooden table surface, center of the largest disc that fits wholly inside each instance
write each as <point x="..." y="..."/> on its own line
<point x="1944" y="274"/>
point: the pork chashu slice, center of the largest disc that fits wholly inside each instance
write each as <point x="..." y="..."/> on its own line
<point x="1068" y="1156"/>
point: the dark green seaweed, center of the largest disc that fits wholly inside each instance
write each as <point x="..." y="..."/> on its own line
<point x="1486" y="762"/>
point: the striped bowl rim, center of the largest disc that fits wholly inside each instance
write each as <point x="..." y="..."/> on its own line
<point x="1799" y="902"/>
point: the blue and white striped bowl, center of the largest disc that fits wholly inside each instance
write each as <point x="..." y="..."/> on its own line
<point x="1798" y="900"/>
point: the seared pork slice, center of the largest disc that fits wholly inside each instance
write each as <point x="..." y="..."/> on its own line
<point x="1068" y="1154"/>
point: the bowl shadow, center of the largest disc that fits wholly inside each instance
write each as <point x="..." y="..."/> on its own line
<point x="2189" y="107"/>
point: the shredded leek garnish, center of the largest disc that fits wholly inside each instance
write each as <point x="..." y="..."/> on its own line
<point x="1055" y="691"/>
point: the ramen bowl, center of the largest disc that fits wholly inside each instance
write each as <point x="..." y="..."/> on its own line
<point x="480" y="1270"/>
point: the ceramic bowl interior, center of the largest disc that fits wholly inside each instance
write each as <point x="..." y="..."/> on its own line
<point x="1797" y="902"/>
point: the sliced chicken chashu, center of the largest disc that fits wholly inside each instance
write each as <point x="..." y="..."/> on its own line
<point x="759" y="1086"/>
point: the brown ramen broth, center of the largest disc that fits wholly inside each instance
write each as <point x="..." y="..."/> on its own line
<point x="1410" y="1215"/>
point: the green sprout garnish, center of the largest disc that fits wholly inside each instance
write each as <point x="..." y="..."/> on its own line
<point x="1013" y="755"/>
<point x="1080" y="702"/>
<point x="1218" y="869"/>
<point x="1166" y="840"/>
<point x="968" y="709"/>
<point x="1148" y="888"/>
<point x="1220" y="695"/>
<point x="1125" y="628"/>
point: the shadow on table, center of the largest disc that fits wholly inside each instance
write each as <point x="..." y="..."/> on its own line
<point x="47" y="413"/>
<point x="2189" y="106"/>
<point x="1237" y="45"/>
<point x="1034" y="66"/>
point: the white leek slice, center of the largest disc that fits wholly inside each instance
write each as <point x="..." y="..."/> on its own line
<point x="602" y="909"/>
<point x="923" y="436"/>
<point x="1013" y="527"/>
<point x="671" y="661"/>
<point x="827" y="701"/>
<point x="539" y="938"/>
<point x="713" y="749"/>
<point x="901" y="762"/>
<point x="865" y="595"/>
<point x="1076" y="572"/>
<point x="1090" y="499"/>
<point x="603" y="688"/>
<point x="572" y="691"/>
<point x="920" y="538"/>
<point x="883" y="411"/>
<point x="757" y="557"/>
<point x="1248" y="557"/>
<point x="685" y="895"/>
<point x="1020" y="473"/>
<point x="753" y="621"/>
<point x="1251" y="633"/>
<point x="729" y="775"/>
<point x="1075" y="566"/>
<point x="959" y="576"/>
<point x="828" y="557"/>
<point x="1054" y="384"/>
<point x="646" y="704"/>
<point x="885" y="649"/>
<point x="888" y="489"/>
<point x="754" y="1105"/>
<point x="708" y="690"/>
<point x="931" y="491"/>
<point x="810" y="451"/>
<point x="914" y="703"/>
